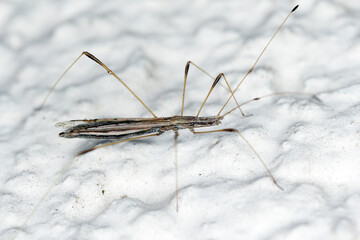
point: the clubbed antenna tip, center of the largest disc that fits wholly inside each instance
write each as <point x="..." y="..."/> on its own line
<point x="295" y="8"/>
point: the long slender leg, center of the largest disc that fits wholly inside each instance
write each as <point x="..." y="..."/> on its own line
<point x="247" y="142"/>
<point x="65" y="168"/>
<point x="187" y="66"/>
<point x="271" y="95"/>
<point x="216" y="80"/>
<point x="176" y="170"/>
<point x="92" y="57"/>
<point x="257" y="60"/>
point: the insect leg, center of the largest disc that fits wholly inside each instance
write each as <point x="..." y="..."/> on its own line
<point x="176" y="171"/>
<point x="216" y="80"/>
<point x="247" y="142"/>
<point x="65" y="168"/>
<point x="258" y="58"/>
<point x="95" y="59"/>
<point x="271" y="95"/>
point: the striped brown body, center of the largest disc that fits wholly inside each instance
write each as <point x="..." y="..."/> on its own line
<point x="124" y="128"/>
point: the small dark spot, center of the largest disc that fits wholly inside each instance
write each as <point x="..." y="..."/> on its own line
<point x="187" y="67"/>
<point x="295" y="8"/>
<point x="257" y="98"/>
<point x="103" y="191"/>
<point x="217" y="79"/>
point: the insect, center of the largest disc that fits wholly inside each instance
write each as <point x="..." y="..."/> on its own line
<point x="128" y="129"/>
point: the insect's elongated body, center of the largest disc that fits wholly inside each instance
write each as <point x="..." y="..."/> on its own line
<point x="124" y="128"/>
<point x="128" y="129"/>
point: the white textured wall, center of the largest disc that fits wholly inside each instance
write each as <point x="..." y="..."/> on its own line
<point x="311" y="146"/>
